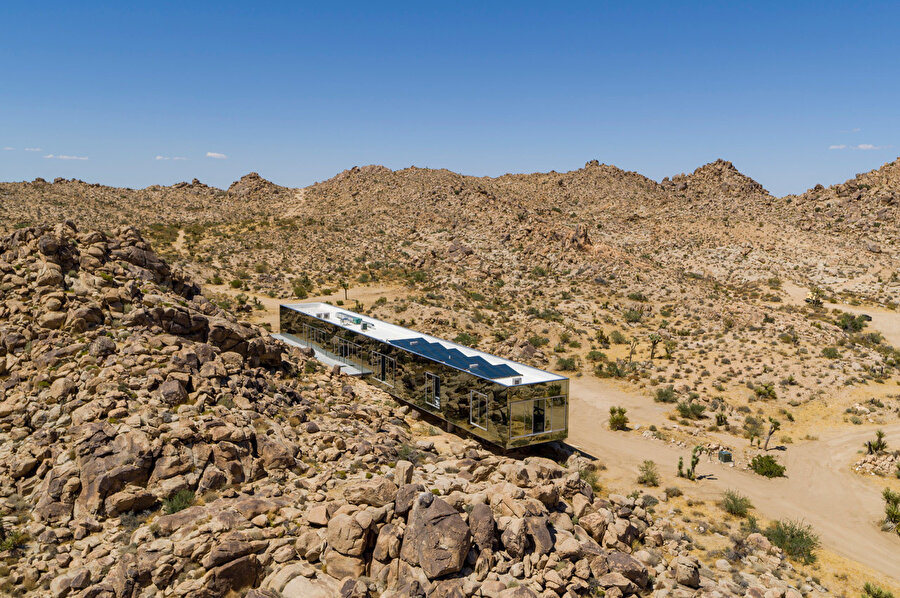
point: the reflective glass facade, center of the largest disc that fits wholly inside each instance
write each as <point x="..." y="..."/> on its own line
<point x="508" y="416"/>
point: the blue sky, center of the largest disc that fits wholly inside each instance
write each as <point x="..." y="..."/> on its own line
<point x="794" y="93"/>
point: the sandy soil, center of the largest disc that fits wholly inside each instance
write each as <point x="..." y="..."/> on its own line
<point x="884" y="321"/>
<point x="843" y="507"/>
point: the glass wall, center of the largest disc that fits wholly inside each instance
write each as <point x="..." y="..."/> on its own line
<point x="534" y="413"/>
<point x="538" y="412"/>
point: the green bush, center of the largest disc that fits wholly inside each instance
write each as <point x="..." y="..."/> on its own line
<point x="596" y="356"/>
<point x="617" y="338"/>
<point x="690" y="410"/>
<point x="13" y="540"/>
<point x="765" y="391"/>
<point x="610" y="370"/>
<point x="766" y="465"/>
<point x="589" y="475"/>
<point x="870" y="590"/>
<point x="538" y="341"/>
<point x="633" y="315"/>
<point x="831" y="353"/>
<point x="892" y="508"/>
<point x="796" y="539"/>
<point x="407" y="452"/>
<point x="566" y="364"/>
<point x="665" y="394"/>
<point x="617" y="418"/>
<point x="648" y="474"/>
<point x="850" y="323"/>
<point x="182" y="500"/>
<point x="735" y="503"/>
<point x="464" y="338"/>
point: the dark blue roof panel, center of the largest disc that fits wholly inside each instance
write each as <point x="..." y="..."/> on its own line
<point x="474" y="364"/>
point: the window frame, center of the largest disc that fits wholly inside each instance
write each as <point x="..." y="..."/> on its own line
<point x="433" y="390"/>
<point x="483" y="399"/>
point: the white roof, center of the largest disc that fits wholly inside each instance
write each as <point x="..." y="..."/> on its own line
<point x="387" y="332"/>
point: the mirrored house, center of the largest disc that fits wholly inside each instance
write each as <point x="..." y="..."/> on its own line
<point x="498" y="400"/>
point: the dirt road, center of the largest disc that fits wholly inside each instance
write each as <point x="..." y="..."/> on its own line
<point x="820" y="488"/>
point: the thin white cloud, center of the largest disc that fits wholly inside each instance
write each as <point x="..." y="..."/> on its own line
<point x="8" y="149"/>
<point x="216" y="155"/>
<point x="835" y="147"/>
<point x="32" y="149"/>
<point x="169" y="158"/>
<point x="64" y="157"/>
<point x="868" y="146"/>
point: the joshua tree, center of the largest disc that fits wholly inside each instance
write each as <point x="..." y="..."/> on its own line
<point x="617" y="418"/>
<point x="877" y="446"/>
<point x="634" y="342"/>
<point x="695" y="459"/>
<point x="655" y="338"/>
<point x="669" y="346"/>
<point x="345" y="285"/>
<point x="774" y="425"/>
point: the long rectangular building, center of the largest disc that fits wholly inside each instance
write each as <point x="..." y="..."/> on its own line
<point x="498" y="400"/>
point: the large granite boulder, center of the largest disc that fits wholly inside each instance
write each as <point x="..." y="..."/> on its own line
<point x="436" y="537"/>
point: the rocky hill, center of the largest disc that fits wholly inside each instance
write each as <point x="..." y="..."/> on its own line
<point x="151" y="444"/>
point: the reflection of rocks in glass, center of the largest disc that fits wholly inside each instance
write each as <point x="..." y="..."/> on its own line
<point x="506" y="416"/>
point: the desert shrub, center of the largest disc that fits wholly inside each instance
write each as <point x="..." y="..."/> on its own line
<point x="617" y="418"/>
<point x="464" y="338"/>
<point x="690" y="410"/>
<point x="831" y="353"/>
<point x="538" y="341"/>
<point x="236" y="283"/>
<point x="750" y="525"/>
<point x="589" y="475"/>
<point x="407" y="452"/>
<point x="12" y="540"/>
<point x="179" y="502"/>
<point x="850" y="323"/>
<point x="637" y="297"/>
<point x="892" y="508"/>
<point x="870" y="590"/>
<point x="617" y="338"/>
<point x="735" y="503"/>
<point x="766" y="465"/>
<point x="596" y="356"/>
<point x="795" y="538"/>
<point x="665" y="394"/>
<point x="765" y="391"/>
<point x="566" y="364"/>
<point x="633" y="315"/>
<point x="648" y="474"/>
<point x="673" y="491"/>
<point x="611" y="369"/>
